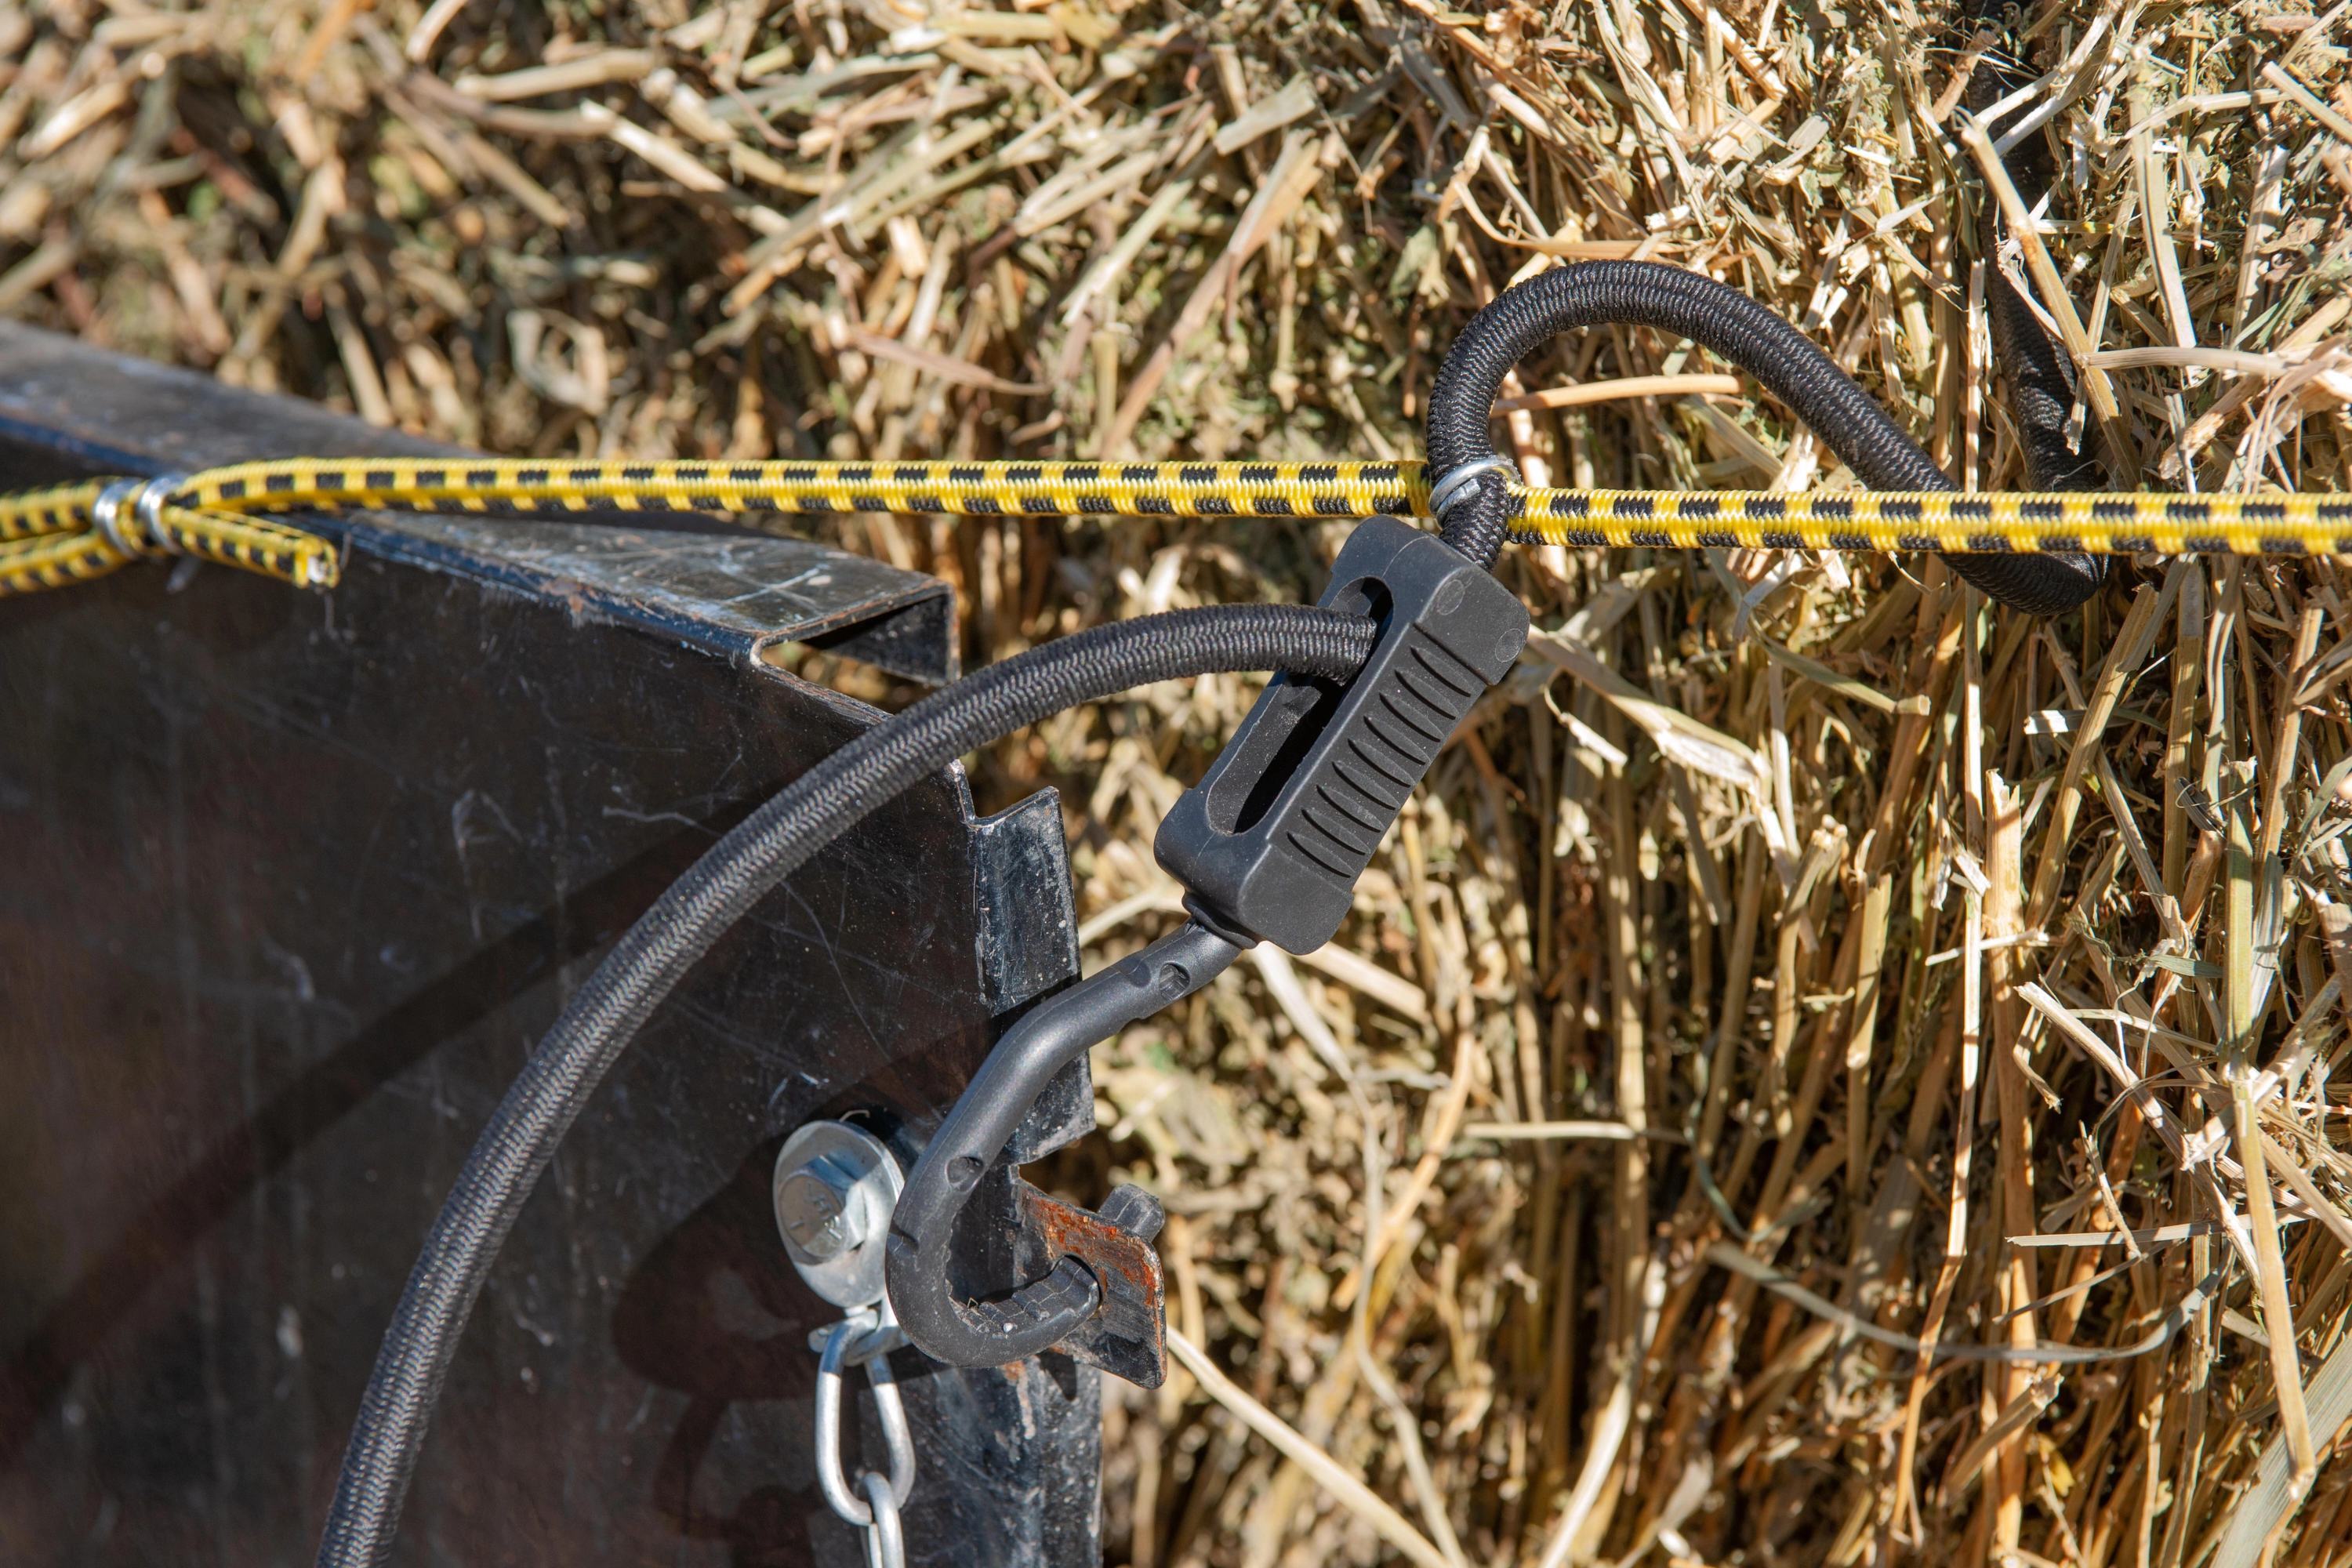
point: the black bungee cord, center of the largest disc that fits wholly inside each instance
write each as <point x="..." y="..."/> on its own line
<point x="1469" y="490"/>
<point x="1469" y="498"/>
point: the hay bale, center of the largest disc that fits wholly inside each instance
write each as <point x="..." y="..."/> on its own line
<point x="2037" y="933"/>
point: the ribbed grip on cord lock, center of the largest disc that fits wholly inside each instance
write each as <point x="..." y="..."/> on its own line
<point x="1270" y="843"/>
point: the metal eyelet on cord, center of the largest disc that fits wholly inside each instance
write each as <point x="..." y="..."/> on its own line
<point x="148" y="511"/>
<point x="105" y="517"/>
<point x="1452" y="487"/>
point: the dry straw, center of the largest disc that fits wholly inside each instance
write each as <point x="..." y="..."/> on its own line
<point x="1977" y="980"/>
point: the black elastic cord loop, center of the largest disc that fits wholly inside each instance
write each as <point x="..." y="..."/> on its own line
<point x="1726" y="322"/>
<point x="655" y="953"/>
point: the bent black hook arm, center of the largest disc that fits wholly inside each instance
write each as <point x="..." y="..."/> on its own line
<point x="1054" y="1034"/>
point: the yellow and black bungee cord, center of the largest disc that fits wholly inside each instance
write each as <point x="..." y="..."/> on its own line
<point x="2037" y="559"/>
<point x="53" y="537"/>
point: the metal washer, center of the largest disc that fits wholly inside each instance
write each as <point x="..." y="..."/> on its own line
<point x="865" y="1182"/>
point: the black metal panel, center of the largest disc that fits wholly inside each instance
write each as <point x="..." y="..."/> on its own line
<point x="291" y="884"/>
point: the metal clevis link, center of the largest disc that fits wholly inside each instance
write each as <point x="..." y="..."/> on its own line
<point x="834" y="1191"/>
<point x="865" y="1337"/>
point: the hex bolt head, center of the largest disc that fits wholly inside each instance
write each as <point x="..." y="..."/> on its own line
<point x="812" y="1207"/>
<point x="834" y="1189"/>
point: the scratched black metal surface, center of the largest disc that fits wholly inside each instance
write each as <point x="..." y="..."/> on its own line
<point x="67" y="410"/>
<point x="291" y="884"/>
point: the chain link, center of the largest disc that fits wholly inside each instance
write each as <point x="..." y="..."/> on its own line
<point x="885" y="1543"/>
<point x="865" y="1337"/>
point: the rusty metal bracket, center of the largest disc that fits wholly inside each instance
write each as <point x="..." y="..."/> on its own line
<point x="1128" y="1335"/>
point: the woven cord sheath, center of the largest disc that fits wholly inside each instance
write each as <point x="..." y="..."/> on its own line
<point x="656" y="952"/>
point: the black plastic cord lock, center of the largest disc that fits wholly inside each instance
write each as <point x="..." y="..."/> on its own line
<point x="1102" y="1299"/>
<point x="1271" y="841"/>
<point x="1270" y="844"/>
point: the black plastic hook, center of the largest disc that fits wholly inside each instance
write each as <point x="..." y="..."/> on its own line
<point x="1268" y="845"/>
<point x="922" y="1228"/>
